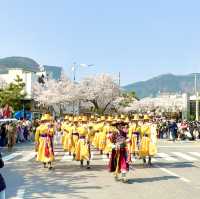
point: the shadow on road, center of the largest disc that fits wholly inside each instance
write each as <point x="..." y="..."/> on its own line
<point x="175" y="165"/>
<point x="41" y="183"/>
<point x="153" y="179"/>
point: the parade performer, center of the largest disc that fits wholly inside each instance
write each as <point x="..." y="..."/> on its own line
<point x="63" y="128"/>
<point x="119" y="156"/>
<point x="102" y="135"/>
<point x="148" y="140"/>
<point x="97" y="129"/>
<point x="44" y="141"/>
<point x="108" y="129"/>
<point x="83" y="146"/>
<point x="134" y="135"/>
<point x="74" y="135"/>
<point x="66" y="140"/>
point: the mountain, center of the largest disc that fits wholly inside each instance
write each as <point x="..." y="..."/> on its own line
<point x="163" y="83"/>
<point x="18" y="62"/>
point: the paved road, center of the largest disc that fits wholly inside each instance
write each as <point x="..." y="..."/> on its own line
<point x="175" y="174"/>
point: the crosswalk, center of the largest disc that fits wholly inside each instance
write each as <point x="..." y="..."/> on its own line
<point x="173" y="157"/>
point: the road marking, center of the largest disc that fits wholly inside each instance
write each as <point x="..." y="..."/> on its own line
<point x="27" y="157"/>
<point x="188" y="146"/>
<point x="104" y="158"/>
<point x="172" y="174"/>
<point x="184" y="156"/>
<point x="166" y="157"/>
<point x="66" y="158"/>
<point x="11" y="156"/>
<point x="20" y="194"/>
<point x="197" y="154"/>
<point x="92" y="155"/>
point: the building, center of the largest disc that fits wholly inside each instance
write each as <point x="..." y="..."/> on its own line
<point x="52" y="72"/>
<point x="25" y="68"/>
<point x="28" y="70"/>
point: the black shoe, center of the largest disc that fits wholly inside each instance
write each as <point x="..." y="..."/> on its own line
<point x="124" y="180"/>
<point x="51" y="168"/>
<point x="45" y="166"/>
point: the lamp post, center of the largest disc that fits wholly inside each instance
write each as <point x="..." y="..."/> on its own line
<point x="196" y="96"/>
<point x="75" y="66"/>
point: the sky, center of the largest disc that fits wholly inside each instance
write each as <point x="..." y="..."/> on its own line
<point x="140" y="39"/>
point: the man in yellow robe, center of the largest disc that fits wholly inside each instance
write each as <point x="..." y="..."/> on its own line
<point x="134" y="133"/>
<point x="148" y="143"/>
<point x="44" y="141"/>
<point x="82" y="150"/>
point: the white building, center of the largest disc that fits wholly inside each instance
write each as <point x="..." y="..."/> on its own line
<point x="27" y="69"/>
<point x="28" y="76"/>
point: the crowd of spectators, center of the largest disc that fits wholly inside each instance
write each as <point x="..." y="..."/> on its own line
<point x="19" y="131"/>
<point x="179" y="130"/>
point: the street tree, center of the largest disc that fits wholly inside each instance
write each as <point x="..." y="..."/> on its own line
<point x="55" y="94"/>
<point x="100" y="91"/>
<point x="12" y="94"/>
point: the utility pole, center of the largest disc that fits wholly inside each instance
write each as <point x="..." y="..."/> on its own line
<point x="74" y="80"/>
<point x="196" y="95"/>
<point x="119" y="83"/>
<point x="119" y="79"/>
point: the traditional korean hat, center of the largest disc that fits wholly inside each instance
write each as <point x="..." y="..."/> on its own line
<point x="146" y="117"/>
<point x="46" y="117"/>
<point x="71" y="119"/>
<point x="76" y="119"/>
<point x="127" y="120"/>
<point x="136" y="117"/>
<point x="119" y="123"/>
<point x="103" y="118"/>
<point x="109" y="119"/>
<point x="122" y="116"/>
<point x="92" y="117"/>
<point x="84" y="119"/>
<point x="116" y="117"/>
<point x="98" y="120"/>
<point x="66" y="117"/>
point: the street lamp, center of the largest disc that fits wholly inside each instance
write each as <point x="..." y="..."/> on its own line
<point x="75" y="66"/>
<point x="197" y="95"/>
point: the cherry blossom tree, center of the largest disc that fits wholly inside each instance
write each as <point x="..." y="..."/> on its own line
<point x="100" y="91"/>
<point x="55" y="93"/>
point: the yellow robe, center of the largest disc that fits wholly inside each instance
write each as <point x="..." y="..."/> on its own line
<point x="64" y="129"/>
<point x="148" y="145"/>
<point x="108" y="148"/>
<point x="82" y="147"/>
<point x="145" y="140"/>
<point x="68" y="142"/>
<point x="42" y="140"/>
<point x="97" y="128"/>
<point x="133" y="146"/>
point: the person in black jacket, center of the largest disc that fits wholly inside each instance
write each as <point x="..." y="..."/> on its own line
<point x="2" y="182"/>
<point x="3" y="135"/>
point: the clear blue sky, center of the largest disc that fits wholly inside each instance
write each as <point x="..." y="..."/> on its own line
<point x="139" y="38"/>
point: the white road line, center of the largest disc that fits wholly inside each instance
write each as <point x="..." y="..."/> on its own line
<point x="11" y="156"/>
<point x="197" y="154"/>
<point x="173" y="174"/>
<point x="166" y="157"/>
<point x="66" y="158"/>
<point x="92" y="155"/>
<point x="184" y="156"/>
<point x="104" y="158"/>
<point x="184" y="146"/>
<point x="27" y="157"/>
<point x="20" y="194"/>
